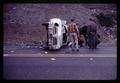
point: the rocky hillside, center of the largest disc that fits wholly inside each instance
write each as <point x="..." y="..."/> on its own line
<point x="22" y="22"/>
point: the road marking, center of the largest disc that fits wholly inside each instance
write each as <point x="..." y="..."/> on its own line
<point x="60" y="55"/>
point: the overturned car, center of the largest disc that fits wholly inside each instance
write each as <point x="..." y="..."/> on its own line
<point x="56" y="33"/>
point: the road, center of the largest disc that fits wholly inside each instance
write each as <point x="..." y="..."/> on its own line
<point x="60" y="68"/>
<point x="38" y="49"/>
<point x="33" y="63"/>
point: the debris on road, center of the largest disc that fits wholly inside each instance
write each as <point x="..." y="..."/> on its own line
<point x="28" y="46"/>
<point x="81" y="55"/>
<point x="35" y="46"/>
<point x="46" y="52"/>
<point x="52" y="59"/>
<point x="91" y="58"/>
<point x="40" y="47"/>
<point x="39" y="53"/>
<point x="6" y="54"/>
<point x="12" y="51"/>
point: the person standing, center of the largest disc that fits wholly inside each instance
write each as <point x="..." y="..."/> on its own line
<point x="73" y="35"/>
<point x="92" y="33"/>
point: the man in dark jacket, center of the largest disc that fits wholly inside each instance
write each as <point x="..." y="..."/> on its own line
<point x="92" y="36"/>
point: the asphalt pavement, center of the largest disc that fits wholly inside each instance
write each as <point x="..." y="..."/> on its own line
<point x="65" y="50"/>
<point x="35" y="63"/>
<point x="60" y="68"/>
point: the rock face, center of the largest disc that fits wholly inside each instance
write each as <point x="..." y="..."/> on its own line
<point x="22" y="22"/>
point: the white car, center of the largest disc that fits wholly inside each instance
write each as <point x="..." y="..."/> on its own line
<point x="56" y="33"/>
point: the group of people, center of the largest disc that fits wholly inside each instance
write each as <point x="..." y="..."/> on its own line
<point x="87" y="35"/>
